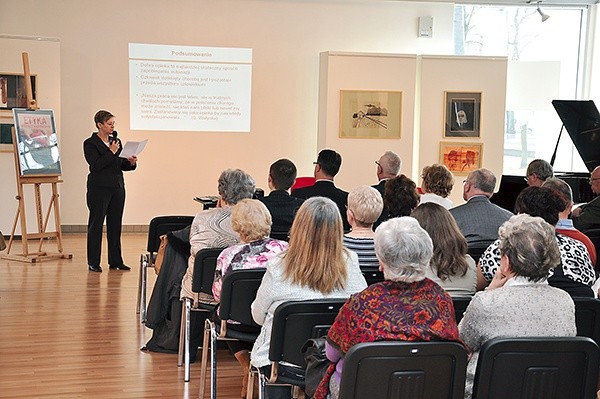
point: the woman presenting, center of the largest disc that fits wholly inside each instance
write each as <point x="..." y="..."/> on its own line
<point x="105" y="191"/>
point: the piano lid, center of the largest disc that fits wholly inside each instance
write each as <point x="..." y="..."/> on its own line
<point x="582" y="121"/>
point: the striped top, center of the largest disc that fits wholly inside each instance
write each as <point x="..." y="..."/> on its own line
<point x="365" y="249"/>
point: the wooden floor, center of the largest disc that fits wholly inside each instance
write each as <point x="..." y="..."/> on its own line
<point x="69" y="333"/>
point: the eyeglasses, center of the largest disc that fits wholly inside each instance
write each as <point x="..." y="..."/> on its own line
<point x="315" y="163"/>
<point x="591" y="179"/>
<point x="377" y="163"/>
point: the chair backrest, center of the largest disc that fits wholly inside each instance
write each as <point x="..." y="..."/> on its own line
<point x="404" y="370"/>
<point x="594" y="236"/>
<point x="537" y="367"/>
<point x="280" y="235"/>
<point x="477" y="248"/>
<point x="587" y="318"/>
<point x="237" y="294"/>
<point x="295" y="322"/>
<point x="372" y="276"/>
<point x="161" y="225"/>
<point x="460" y="305"/>
<point x="303" y="181"/>
<point x="205" y="264"/>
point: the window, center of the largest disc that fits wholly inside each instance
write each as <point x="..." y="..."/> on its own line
<point x="544" y="64"/>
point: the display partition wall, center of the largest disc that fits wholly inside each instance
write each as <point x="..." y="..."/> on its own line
<point x="436" y="90"/>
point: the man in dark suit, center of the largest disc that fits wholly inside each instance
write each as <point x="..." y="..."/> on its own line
<point x="281" y="205"/>
<point x="327" y="166"/>
<point x="479" y="219"/>
<point x="388" y="167"/>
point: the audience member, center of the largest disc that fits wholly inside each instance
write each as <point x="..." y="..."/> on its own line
<point x="450" y="266"/>
<point x="316" y="265"/>
<point x="519" y="302"/>
<point x="538" y="171"/>
<point x="388" y="167"/>
<point x="437" y="185"/>
<point x="407" y="306"/>
<point x="575" y="274"/>
<point x="587" y="216"/>
<point x="252" y="221"/>
<point x="281" y="205"/>
<point x="478" y="219"/>
<point x="565" y="225"/>
<point x="327" y="166"/>
<point x="364" y="208"/>
<point x="211" y="228"/>
<point x="400" y="197"/>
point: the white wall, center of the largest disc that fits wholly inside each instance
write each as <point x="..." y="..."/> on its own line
<point x="287" y="38"/>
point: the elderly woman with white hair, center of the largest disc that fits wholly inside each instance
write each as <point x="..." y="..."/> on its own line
<point x="519" y="302"/>
<point x="364" y="208"/>
<point x="406" y="306"/>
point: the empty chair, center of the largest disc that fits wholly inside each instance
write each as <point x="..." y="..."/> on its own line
<point x="158" y="226"/>
<point x="404" y="370"/>
<point x="205" y="264"/>
<point x="537" y="367"/>
<point x="238" y="293"/>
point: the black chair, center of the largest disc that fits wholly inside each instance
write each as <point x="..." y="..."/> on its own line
<point x="587" y="318"/>
<point x="280" y="235"/>
<point x="402" y="369"/>
<point x="205" y="264"/>
<point x="460" y="305"/>
<point x="294" y="322"/>
<point x="237" y="294"/>
<point x="159" y="226"/>
<point x="477" y="248"/>
<point x="372" y="275"/>
<point x="537" y="367"/>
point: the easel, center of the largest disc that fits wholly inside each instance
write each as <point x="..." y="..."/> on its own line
<point x="37" y="181"/>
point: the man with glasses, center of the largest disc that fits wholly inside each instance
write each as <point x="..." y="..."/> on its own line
<point x="538" y="171"/>
<point x="587" y="216"/>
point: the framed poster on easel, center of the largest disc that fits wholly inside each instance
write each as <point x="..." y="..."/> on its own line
<point x="37" y="142"/>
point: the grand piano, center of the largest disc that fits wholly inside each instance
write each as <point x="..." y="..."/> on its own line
<point x="582" y="122"/>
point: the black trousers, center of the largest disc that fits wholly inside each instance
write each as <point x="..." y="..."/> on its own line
<point x="105" y="203"/>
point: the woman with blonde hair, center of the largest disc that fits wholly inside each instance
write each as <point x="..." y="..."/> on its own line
<point x="316" y="265"/>
<point x="450" y="266"/>
<point x="437" y="185"/>
<point x="252" y="221"/>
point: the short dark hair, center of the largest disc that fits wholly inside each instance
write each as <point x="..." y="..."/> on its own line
<point x="540" y="201"/>
<point x="102" y="116"/>
<point x="400" y="196"/>
<point x="283" y="174"/>
<point x="542" y="169"/>
<point x="330" y="162"/>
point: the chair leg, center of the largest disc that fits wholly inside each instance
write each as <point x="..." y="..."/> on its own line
<point x="139" y="291"/>
<point x="186" y="355"/>
<point x="181" y="335"/>
<point x="213" y="365"/>
<point x="250" y="389"/>
<point x="144" y="272"/>
<point x="204" y="359"/>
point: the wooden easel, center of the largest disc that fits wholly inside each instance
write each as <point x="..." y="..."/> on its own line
<point x="37" y="181"/>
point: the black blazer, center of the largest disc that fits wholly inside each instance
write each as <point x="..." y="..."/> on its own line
<point x="283" y="208"/>
<point x="106" y="168"/>
<point x="326" y="188"/>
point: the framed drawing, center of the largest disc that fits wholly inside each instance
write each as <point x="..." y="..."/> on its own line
<point x="461" y="158"/>
<point x="370" y="114"/>
<point x="12" y="90"/>
<point x="36" y="142"/>
<point x="462" y="114"/>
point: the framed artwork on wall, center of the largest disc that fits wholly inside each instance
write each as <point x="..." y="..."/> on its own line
<point x="12" y="91"/>
<point x="36" y="142"/>
<point x="370" y="114"/>
<point x="462" y="114"/>
<point x="461" y="158"/>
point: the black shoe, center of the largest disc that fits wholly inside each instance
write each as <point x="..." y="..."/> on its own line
<point x="120" y="267"/>
<point x="95" y="268"/>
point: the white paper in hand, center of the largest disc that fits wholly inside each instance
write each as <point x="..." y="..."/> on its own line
<point x="133" y="148"/>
